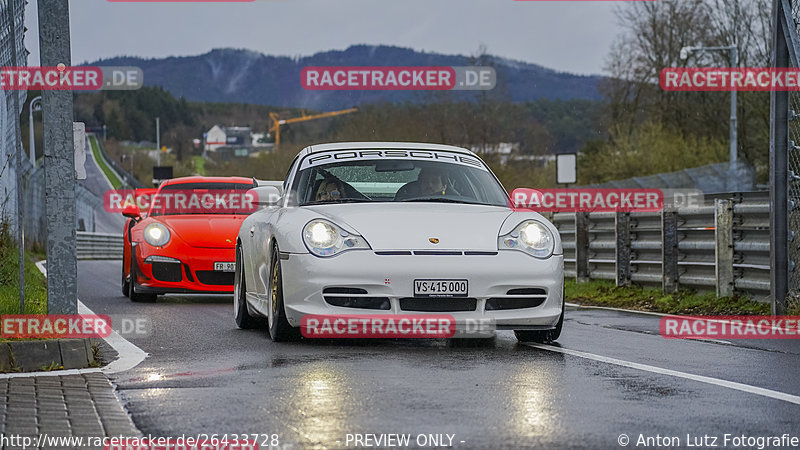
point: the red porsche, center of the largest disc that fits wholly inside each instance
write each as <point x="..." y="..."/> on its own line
<point x="185" y="243"/>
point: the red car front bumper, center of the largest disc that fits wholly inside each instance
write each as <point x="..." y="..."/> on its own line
<point x="194" y="274"/>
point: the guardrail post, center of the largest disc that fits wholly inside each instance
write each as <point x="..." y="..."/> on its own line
<point x="669" y="250"/>
<point x="622" y="224"/>
<point x="723" y="237"/>
<point x="581" y="247"/>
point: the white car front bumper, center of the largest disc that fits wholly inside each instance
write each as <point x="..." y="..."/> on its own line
<point x="391" y="277"/>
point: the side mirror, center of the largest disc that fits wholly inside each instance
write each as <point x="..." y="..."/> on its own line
<point x="267" y="195"/>
<point x="131" y="210"/>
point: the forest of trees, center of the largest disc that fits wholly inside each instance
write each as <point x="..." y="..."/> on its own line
<point x="637" y="130"/>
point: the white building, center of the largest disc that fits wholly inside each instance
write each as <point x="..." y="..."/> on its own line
<point x="219" y="136"/>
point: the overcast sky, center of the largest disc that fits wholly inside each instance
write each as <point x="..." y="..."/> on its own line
<point x="572" y="36"/>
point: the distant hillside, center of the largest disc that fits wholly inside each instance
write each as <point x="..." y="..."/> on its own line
<point x="242" y="76"/>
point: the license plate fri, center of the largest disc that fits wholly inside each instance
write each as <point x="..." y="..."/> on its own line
<point x="440" y="288"/>
<point x="225" y="266"/>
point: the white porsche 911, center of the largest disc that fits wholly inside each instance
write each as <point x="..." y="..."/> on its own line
<point x="396" y="228"/>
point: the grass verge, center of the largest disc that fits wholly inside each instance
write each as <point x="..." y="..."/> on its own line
<point x="606" y="293"/>
<point x="200" y="165"/>
<point x="35" y="282"/>
<point x="115" y="182"/>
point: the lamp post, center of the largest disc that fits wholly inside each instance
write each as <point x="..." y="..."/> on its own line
<point x="35" y="105"/>
<point x="158" y="139"/>
<point x="734" y="54"/>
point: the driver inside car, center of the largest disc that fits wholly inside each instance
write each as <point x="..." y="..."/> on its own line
<point x="430" y="182"/>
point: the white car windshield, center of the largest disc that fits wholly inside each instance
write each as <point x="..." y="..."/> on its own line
<point x="414" y="178"/>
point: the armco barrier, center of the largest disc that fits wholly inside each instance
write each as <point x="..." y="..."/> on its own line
<point x="721" y="246"/>
<point x="99" y="245"/>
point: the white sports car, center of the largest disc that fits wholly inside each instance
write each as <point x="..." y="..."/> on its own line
<point x="396" y="228"/>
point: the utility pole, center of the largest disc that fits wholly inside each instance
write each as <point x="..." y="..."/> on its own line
<point x="59" y="166"/>
<point x="158" y="140"/>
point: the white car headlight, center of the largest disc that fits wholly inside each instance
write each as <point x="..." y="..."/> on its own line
<point x="156" y="234"/>
<point x="324" y="238"/>
<point x="531" y="237"/>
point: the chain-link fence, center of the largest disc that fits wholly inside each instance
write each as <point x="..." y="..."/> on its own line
<point x="794" y="167"/>
<point x="12" y="53"/>
<point x="785" y="161"/>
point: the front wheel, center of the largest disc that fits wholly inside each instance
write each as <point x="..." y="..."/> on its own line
<point x="240" y="313"/>
<point x="279" y="328"/>
<point x="136" y="296"/>
<point x="543" y="336"/>
<point x="126" y="283"/>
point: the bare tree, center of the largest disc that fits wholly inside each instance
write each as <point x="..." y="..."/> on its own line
<point x="653" y="34"/>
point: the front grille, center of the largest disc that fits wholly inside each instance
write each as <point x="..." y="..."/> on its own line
<point x="214" y="277"/>
<point x="527" y="291"/>
<point x="522" y="298"/>
<point x="188" y="273"/>
<point x="164" y="271"/>
<point x="437" y="252"/>
<point x="344" y="290"/>
<point x="359" y="302"/>
<point x="347" y="297"/>
<point x="454" y="304"/>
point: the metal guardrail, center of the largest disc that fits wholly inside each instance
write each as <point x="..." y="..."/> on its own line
<point x="99" y="245"/>
<point x="722" y="246"/>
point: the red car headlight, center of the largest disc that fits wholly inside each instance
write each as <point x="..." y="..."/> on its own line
<point x="156" y="234"/>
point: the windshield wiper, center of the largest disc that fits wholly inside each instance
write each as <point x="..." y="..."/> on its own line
<point x="341" y="200"/>
<point x="442" y="200"/>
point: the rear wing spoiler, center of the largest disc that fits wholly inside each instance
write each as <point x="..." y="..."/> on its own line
<point x="277" y="184"/>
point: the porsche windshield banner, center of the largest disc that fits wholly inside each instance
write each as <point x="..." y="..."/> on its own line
<point x="324" y="158"/>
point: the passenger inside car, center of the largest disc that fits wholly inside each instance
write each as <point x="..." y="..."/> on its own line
<point x="329" y="190"/>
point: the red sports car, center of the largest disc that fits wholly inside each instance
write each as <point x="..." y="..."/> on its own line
<point x="185" y="244"/>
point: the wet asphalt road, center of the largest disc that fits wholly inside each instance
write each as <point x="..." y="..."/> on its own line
<point x="204" y="375"/>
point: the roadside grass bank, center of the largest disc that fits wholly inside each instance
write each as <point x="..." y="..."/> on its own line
<point x="35" y="282"/>
<point x="606" y="293"/>
<point x="115" y="182"/>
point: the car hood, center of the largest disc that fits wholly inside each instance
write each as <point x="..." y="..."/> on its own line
<point x="204" y="231"/>
<point x="411" y="226"/>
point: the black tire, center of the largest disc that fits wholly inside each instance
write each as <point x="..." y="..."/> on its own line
<point x="543" y="336"/>
<point x="126" y="284"/>
<point x="279" y="328"/>
<point x="240" y="313"/>
<point x="137" y="296"/>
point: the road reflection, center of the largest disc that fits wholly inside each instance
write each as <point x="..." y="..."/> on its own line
<point x="324" y="404"/>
